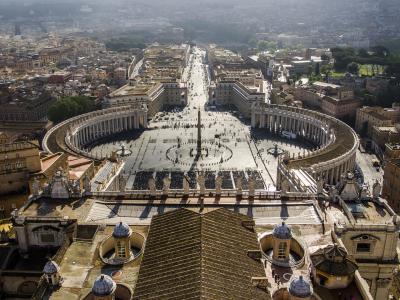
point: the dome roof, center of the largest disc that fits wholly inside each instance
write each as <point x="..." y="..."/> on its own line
<point x="282" y="232"/>
<point x="122" y="230"/>
<point x="333" y="260"/>
<point x="300" y="288"/>
<point x="51" y="267"/>
<point x="103" y="286"/>
<point x="335" y="253"/>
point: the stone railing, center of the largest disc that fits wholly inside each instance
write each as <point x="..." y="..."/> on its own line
<point x="340" y="129"/>
<point x="296" y="264"/>
<point x="296" y="183"/>
<point x="339" y="141"/>
<point x="362" y="286"/>
<point x="245" y="194"/>
<point x="192" y="192"/>
<point x="137" y="240"/>
<point x="71" y="127"/>
<point x="266" y="241"/>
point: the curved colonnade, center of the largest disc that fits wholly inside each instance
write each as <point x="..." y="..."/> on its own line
<point x="73" y="134"/>
<point x="337" y="142"/>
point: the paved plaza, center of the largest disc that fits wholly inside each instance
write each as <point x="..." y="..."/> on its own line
<point x="228" y="143"/>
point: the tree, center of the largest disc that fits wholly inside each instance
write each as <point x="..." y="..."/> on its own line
<point x="353" y="68"/>
<point x="343" y="56"/>
<point x="317" y="69"/>
<point x="326" y="70"/>
<point x="253" y="42"/>
<point x="68" y="107"/>
<point x="363" y="53"/>
<point x="266" y="45"/>
<point x="380" y="51"/>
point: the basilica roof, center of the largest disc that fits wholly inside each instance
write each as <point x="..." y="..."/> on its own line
<point x="199" y="256"/>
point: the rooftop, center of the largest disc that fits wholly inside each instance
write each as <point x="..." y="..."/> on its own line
<point x="202" y="256"/>
<point x="379" y="116"/>
<point x="81" y="266"/>
<point x="363" y="212"/>
<point x="321" y="84"/>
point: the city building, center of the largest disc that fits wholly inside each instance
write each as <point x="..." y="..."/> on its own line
<point x="79" y="169"/>
<point x="392" y="150"/>
<point x="382" y="135"/>
<point x="376" y="85"/>
<point x="340" y="107"/>
<point x="18" y="161"/>
<point x="334" y="100"/>
<point x="233" y="81"/>
<point x="391" y="183"/>
<point x="24" y="104"/>
<point x="159" y="81"/>
<point x="367" y="117"/>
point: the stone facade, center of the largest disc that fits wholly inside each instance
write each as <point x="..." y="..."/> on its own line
<point x="234" y="93"/>
<point x="17" y="162"/>
<point x="391" y="183"/>
<point x="368" y="117"/>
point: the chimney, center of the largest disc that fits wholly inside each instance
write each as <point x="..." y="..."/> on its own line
<point x="260" y="282"/>
<point x="249" y="224"/>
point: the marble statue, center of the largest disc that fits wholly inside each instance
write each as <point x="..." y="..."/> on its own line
<point x="252" y="186"/>
<point x="239" y="187"/>
<point x="320" y="185"/>
<point x="152" y="186"/>
<point x="218" y="184"/>
<point x="166" y="185"/>
<point x="122" y="182"/>
<point x="186" y="186"/>
<point x="376" y="189"/>
<point x="333" y="192"/>
<point x="35" y="187"/>
<point x="202" y="183"/>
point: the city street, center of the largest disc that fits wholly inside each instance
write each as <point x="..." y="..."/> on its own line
<point x="370" y="173"/>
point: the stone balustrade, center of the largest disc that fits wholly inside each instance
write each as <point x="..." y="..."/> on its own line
<point x="336" y="141"/>
<point x="83" y="130"/>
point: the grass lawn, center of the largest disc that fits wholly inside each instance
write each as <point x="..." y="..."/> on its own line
<point x="368" y="70"/>
<point x="336" y="74"/>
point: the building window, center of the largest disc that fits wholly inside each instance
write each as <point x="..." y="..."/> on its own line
<point x="282" y="250"/>
<point x="47" y="238"/>
<point x="120" y="249"/>
<point x="363" y="247"/>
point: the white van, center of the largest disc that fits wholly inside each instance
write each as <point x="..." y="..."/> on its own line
<point x="289" y="135"/>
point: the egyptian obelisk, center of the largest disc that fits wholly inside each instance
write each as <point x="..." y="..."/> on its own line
<point x="198" y="132"/>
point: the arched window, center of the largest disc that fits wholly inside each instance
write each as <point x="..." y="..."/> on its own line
<point x="121" y="249"/>
<point x="282" y="250"/>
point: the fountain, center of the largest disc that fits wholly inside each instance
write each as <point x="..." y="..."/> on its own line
<point x="275" y="151"/>
<point x="123" y="152"/>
